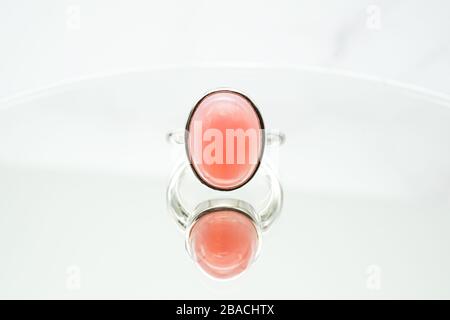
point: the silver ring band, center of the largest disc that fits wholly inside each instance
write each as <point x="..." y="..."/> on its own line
<point x="263" y="218"/>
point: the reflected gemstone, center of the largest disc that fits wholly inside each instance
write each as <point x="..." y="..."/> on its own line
<point x="225" y="139"/>
<point x="224" y="243"/>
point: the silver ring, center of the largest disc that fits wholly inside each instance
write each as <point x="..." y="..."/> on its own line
<point x="223" y="236"/>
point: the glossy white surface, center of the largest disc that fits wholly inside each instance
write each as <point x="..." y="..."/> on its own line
<point x="84" y="167"/>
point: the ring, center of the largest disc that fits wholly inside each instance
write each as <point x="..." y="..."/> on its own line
<point x="224" y="141"/>
<point x="223" y="236"/>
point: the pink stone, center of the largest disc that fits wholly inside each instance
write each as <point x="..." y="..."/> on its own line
<point x="224" y="243"/>
<point x="223" y="161"/>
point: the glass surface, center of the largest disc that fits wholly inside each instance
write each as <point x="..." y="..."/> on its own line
<point x="365" y="171"/>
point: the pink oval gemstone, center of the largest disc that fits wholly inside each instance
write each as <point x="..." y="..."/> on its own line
<point x="224" y="243"/>
<point x="225" y="139"/>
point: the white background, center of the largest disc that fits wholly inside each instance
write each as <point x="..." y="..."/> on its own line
<point x="46" y="42"/>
